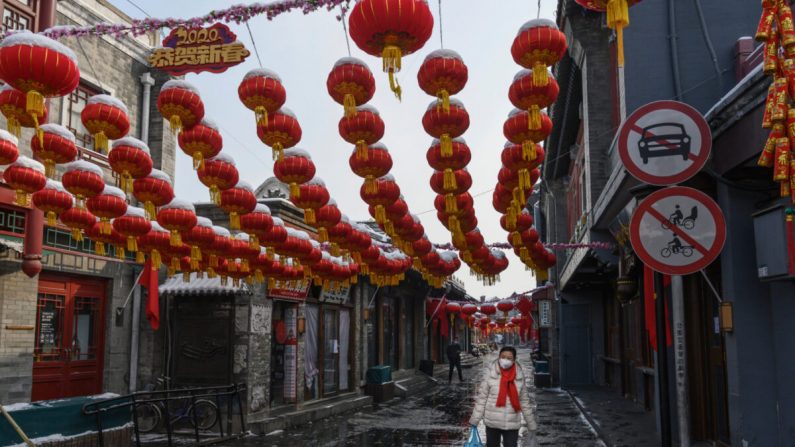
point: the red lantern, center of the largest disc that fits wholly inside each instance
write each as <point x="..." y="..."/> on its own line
<point x="363" y="128"/>
<point x="443" y="74"/>
<point x="524" y="305"/>
<point x="262" y="91"/>
<point x="237" y="201"/>
<point x="109" y="204"/>
<point x="241" y="248"/>
<point x="488" y="309"/>
<point x="154" y="190"/>
<point x="294" y="168"/>
<point x="55" y="144"/>
<point x="218" y="173"/>
<point x="257" y="224"/>
<point x="350" y="83"/>
<point x="522" y="223"/>
<point x="105" y="117"/>
<point x="459" y="158"/>
<point x="326" y="217"/>
<point x="83" y="179"/>
<point x="179" y="102"/>
<point x="339" y="233"/>
<point x="539" y="44"/>
<point x="218" y="250"/>
<point x="276" y="236"/>
<point x="517" y="130"/>
<point x="446" y="125"/>
<point x="9" y="150"/>
<point x="281" y="131"/>
<point x="129" y="157"/>
<point x="311" y="196"/>
<point x="199" y="238"/>
<point x="178" y="217"/>
<point x="385" y="193"/>
<point x="132" y="225"/>
<point x="156" y="242"/>
<point x="461" y="182"/>
<point x="78" y="220"/>
<point x="25" y="176"/>
<point x="53" y="200"/>
<point x="102" y="236"/>
<point x="391" y="29"/>
<point x="201" y="141"/>
<point x="377" y="164"/>
<point x="50" y="68"/>
<point x="525" y="95"/>
<point x="12" y="106"/>
<point x="514" y="158"/>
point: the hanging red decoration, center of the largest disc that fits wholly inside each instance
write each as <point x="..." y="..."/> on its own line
<point x="12" y="106"/>
<point x="458" y="158"/>
<point x="517" y="130"/>
<point x="82" y="179"/>
<point x="488" y="309"/>
<point x="257" y="224"/>
<point x="617" y="18"/>
<point x="446" y="125"/>
<point x="326" y="217"/>
<point x="109" y="204"/>
<point x="179" y="102"/>
<point x="130" y="158"/>
<point x="132" y="225"/>
<point x="351" y="84"/>
<point x="200" y="237"/>
<point x="391" y="29"/>
<point x="241" y="248"/>
<point x="294" y="168"/>
<point x="153" y="191"/>
<point x="218" y="250"/>
<point x="522" y="223"/>
<point x="25" y="176"/>
<point x="363" y="128"/>
<point x="311" y="196"/>
<point x="55" y="144"/>
<point x="276" y="236"/>
<point x="526" y="95"/>
<point x="460" y="183"/>
<point x="178" y="217"/>
<point x="443" y="74"/>
<point x="262" y="91"/>
<point x="218" y="173"/>
<point x="385" y="193"/>
<point x="78" y="220"/>
<point x="9" y="148"/>
<point x="201" y="141"/>
<point x="539" y="44"/>
<point x="53" y="200"/>
<point x="156" y="243"/>
<point x="102" y="236"/>
<point x="513" y="158"/>
<point x="50" y="69"/>
<point x="280" y="132"/>
<point x="338" y="234"/>
<point x="237" y="201"/>
<point x="106" y="118"/>
<point x="378" y="163"/>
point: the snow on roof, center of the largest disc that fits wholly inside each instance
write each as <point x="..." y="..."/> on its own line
<point x="175" y="285"/>
<point x="130" y="142"/>
<point x="57" y="129"/>
<point x="25" y="37"/>
<point x="262" y="73"/>
<point x="109" y="101"/>
<point x="179" y="83"/>
<point x="443" y="54"/>
<point x="7" y="136"/>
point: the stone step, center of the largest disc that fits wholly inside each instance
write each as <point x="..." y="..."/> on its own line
<point x="310" y="413"/>
<point x="414" y="385"/>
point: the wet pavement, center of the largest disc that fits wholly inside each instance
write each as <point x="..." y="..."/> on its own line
<point x="438" y="417"/>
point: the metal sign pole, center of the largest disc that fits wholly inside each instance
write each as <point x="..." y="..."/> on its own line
<point x="680" y="360"/>
<point x="662" y="362"/>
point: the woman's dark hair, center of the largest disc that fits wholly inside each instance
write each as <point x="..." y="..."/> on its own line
<point x="511" y="349"/>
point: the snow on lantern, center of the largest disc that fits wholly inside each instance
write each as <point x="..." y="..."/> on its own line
<point x="326" y="217"/>
<point x="55" y="144"/>
<point x="218" y="174"/>
<point x="237" y="201"/>
<point x="378" y="163"/>
<point x="154" y="190"/>
<point x="539" y="44"/>
<point x="53" y="200"/>
<point x="443" y="74"/>
<point x="78" y="220"/>
<point x="132" y="225"/>
<point x="446" y="125"/>
<point x="199" y="238"/>
<point x="106" y="118"/>
<point x="294" y="168"/>
<point x="385" y="193"/>
<point x="517" y="130"/>
<point x="25" y="176"/>
<point x="458" y="158"/>
<point x="178" y="217"/>
<point x="363" y="128"/>
<point x="311" y="196"/>
<point x="280" y="132"/>
<point x="201" y="141"/>
<point x="350" y="84"/>
<point x="526" y="95"/>
<point x="391" y="29"/>
<point x="156" y="243"/>
<point x="179" y="102"/>
<point x="218" y="249"/>
<point x="109" y="204"/>
<point x="461" y="183"/>
<point x="262" y="91"/>
<point x="130" y="158"/>
<point x="12" y="106"/>
<point x="257" y="224"/>
<point x="82" y="179"/>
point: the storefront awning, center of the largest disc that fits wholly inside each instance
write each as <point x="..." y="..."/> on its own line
<point x="176" y="286"/>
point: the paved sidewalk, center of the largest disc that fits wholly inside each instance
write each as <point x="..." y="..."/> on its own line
<point x="620" y="422"/>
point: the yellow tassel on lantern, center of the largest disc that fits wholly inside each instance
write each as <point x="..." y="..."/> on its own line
<point x="175" y="265"/>
<point x="391" y="59"/>
<point x="322" y="234"/>
<point x="516" y="239"/>
<point x="175" y="123"/>
<point x="258" y="276"/>
<point x="244" y="267"/>
<point x="618" y="19"/>
<point x="261" y="114"/>
<point x="309" y="216"/>
<point x="349" y="105"/>
<point x="139" y="257"/>
<point x="49" y="168"/>
<point x="101" y="143"/>
<point x="450" y="204"/>
<point x="540" y="75"/>
<point x="446" y="143"/>
<point x="467" y="256"/>
<point x="380" y="214"/>
<point x="389" y="227"/>
<point x="157" y="261"/>
<point x="185" y="276"/>
<point x="234" y="221"/>
<point x="99" y="248"/>
<point x="22" y="198"/>
<point x="198" y="160"/>
<point x="278" y="151"/>
<point x="175" y="239"/>
<point x="450" y="183"/>
<point x="104" y="227"/>
<point x="132" y="244"/>
<point x="51" y="218"/>
<point x="458" y="238"/>
<point x="14" y="127"/>
<point x="370" y="185"/>
<point x="444" y="100"/>
<point x="215" y="195"/>
<point x="534" y="120"/>
<point x="362" y="150"/>
<point x="253" y="242"/>
<point x="295" y="191"/>
<point x="453" y="224"/>
<point x="150" y="210"/>
<point x="120" y="254"/>
<point x="528" y="150"/>
<point x="211" y="273"/>
<point x="34" y="103"/>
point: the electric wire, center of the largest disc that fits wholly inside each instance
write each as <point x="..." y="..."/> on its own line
<point x="343" y="10"/>
<point x="441" y="34"/>
<point x="253" y="43"/>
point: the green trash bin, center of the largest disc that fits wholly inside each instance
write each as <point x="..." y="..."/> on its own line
<point x="379" y="374"/>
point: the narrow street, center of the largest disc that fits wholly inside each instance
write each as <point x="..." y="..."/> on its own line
<point x="438" y="418"/>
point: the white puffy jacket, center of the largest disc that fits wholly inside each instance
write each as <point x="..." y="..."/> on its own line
<point x="504" y="418"/>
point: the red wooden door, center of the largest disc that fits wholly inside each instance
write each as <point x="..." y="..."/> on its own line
<point x="70" y="336"/>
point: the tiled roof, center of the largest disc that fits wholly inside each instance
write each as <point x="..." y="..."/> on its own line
<point x="16" y="246"/>
<point x="174" y="285"/>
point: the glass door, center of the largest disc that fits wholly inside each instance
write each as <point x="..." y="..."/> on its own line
<point x="331" y="351"/>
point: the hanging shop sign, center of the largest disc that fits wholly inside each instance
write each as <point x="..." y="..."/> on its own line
<point x="335" y="296"/>
<point x="297" y="291"/>
<point x="195" y="50"/>
<point x="664" y="143"/>
<point x="545" y="313"/>
<point x="678" y="231"/>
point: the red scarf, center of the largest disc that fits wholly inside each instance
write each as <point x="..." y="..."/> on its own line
<point x="508" y="388"/>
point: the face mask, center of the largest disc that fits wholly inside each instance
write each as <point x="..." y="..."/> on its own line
<point x="506" y="364"/>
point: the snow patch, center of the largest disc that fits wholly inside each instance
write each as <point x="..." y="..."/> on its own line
<point x="297" y="152"/>
<point x="262" y="73"/>
<point x="287" y="112"/>
<point x="6" y="136"/>
<point x="453" y="102"/>
<point x="160" y="175"/>
<point x="203" y="222"/>
<point x="29" y="163"/>
<point x="537" y="23"/>
<point x="134" y="211"/>
<point x="221" y="231"/>
<point x="25" y="37"/>
<point x="82" y="165"/>
<point x="109" y="101"/>
<point x="367" y="108"/>
<point x="263" y="209"/>
<point x="443" y="54"/>
<point x="223" y="157"/>
<point x="57" y="129"/>
<point x="130" y="142"/>
<point x="114" y="191"/>
<point x="350" y="61"/>
<point x="179" y="204"/>
<point x="242" y="184"/>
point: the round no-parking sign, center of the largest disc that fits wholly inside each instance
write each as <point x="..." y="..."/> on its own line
<point x="677" y="231"/>
<point x="664" y="143"/>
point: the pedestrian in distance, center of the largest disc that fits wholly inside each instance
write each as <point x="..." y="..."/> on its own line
<point x="503" y="399"/>
<point x="454" y="358"/>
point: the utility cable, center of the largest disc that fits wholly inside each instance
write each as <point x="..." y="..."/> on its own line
<point x="345" y="28"/>
<point x="253" y="43"/>
<point x="441" y="34"/>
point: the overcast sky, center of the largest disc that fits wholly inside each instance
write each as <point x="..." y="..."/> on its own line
<point x="303" y="48"/>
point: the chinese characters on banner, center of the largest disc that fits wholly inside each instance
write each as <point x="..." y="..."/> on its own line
<point x="186" y="50"/>
<point x="335" y="296"/>
<point x="297" y="291"/>
<point x="545" y="313"/>
<point x="291" y="355"/>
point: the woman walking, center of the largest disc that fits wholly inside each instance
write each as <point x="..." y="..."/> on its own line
<point x="503" y="399"/>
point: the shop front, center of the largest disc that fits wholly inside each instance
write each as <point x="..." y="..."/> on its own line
<point x="287" y="302"/>
<point x="328" y="353"/>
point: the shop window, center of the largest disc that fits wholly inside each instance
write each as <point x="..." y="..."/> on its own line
<point x="75" y="103"/>
<point x="12" y="221"/>
<point x="18" y="14"/>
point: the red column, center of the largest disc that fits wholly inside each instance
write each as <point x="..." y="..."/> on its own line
<point x="34" y="223"/>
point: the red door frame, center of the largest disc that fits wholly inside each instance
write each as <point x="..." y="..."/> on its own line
<point x="67" y="377"/>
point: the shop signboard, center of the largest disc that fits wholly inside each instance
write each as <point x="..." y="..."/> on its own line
<point x="339" y="295"/>
<point x="291" y="355"/>
<point x="195" y="50"/>
<point x="545" y="313"/>
<point x="298" y="291"/>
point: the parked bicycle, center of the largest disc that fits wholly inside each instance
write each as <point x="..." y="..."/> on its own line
<point x="201" y="413"/>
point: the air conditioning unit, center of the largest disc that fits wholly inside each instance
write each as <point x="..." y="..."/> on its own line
<point x="770" y="238"/>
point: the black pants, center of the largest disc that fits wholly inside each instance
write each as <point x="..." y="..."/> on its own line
<point x="510" y="438"/>
<point x="455" y="364"/>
